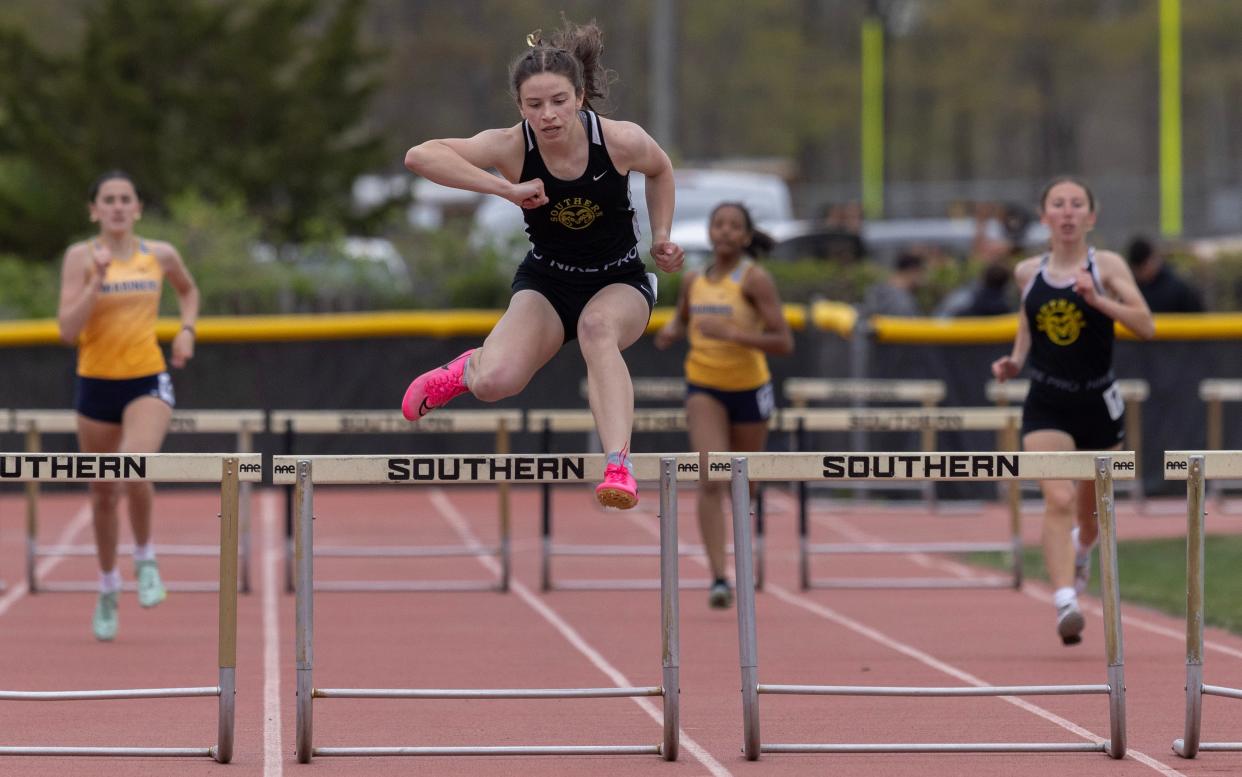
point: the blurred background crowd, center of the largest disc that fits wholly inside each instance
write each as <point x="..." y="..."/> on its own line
<point x="267" y="138"/>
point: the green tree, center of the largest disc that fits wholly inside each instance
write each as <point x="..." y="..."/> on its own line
<point x="266" y="100"/>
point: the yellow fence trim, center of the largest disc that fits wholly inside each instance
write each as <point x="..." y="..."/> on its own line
<point x="834" y="317"/>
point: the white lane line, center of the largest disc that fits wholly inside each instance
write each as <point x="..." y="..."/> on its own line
<point x="273" y="765"/>
<point x="454" y="517"/>
<point x="79" y="522"/>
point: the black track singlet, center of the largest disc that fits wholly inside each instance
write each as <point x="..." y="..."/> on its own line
<point x="587" y="231"/>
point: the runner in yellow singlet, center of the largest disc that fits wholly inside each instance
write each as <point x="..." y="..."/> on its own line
<point x="732" y="314"/>
<point x="109" y="300"/>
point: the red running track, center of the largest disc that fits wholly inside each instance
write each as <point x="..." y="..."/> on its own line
<point x="583" y="639"/>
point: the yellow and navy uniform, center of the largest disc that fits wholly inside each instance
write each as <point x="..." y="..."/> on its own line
<point x="718" y="364"/>
<point x="118" y="340"/>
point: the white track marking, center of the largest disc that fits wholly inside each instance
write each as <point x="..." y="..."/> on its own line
<point x="79" y="522"/>
<point x="454" y="517"/>
<point x="273" y="764"/>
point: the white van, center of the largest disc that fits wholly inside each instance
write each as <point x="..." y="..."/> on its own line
<point x="498" y="222"/>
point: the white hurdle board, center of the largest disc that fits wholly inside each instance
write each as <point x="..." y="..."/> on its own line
<point x="309" y="472"/>
<point x="1196" y="467"/>
<point x="1005" y="421"/>
<point x="500" y="423"/>
<point x="244" y="424"/>
<point x="1216" y="393"/>
<point x="230" y="470"/>
<point x="742" y="468"/>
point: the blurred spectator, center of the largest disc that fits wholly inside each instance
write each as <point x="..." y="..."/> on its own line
<point x="1164" y="291"/>
<point x="841" y="239"/>
<point x="986" y="296"/>
<point x="895" y="295"/>
<point x="1007" y="242"/>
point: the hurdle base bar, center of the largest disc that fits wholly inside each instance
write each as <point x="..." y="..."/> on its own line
<point x="402" y="551"/>
<point x="626" y="550"/>
<point x="625" y="585"/>
<point x="92" y="586"/>
<point x="910" y="582"/>
<point x="493" y="750"/>
<point x="124" y="752"/>
<point x="486" y="693"/>
<point x="1220" y="690"/>
<point x="1218" y="747"/>
<point x="131" y="693"/>
<point x="953" y="690"/>
<point x="941" y="747"/>
<point x="406" y="586"/>
<point x="52" y="551"/>
<point x="909" y="547"/>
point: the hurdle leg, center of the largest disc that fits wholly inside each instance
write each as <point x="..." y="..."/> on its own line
<point x="1111" y="596"/>
<point x="545" y="518"/>
<point x="760" y="541"/>
<point x="669" y="611"/>
<point x="1188" y="745"/>
<point x="504" y="545"/>
<point x="1013" y="494"/>
<point x="289" y="515"/>
<point x="1134" y="438"/>
<point x="304" y="549"/>
<point x="227" y="649"/>
<point x="33" y="444"/>
<point x="244" y="445"/>
<point x="1215" y="435"/>
<point x="747" y="642"/>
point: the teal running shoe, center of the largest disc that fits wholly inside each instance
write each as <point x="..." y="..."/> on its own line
<point x="105" y="621"/>
<point x="150" y="588"/>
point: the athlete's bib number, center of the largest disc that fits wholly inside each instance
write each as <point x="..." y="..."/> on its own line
<point x="1113" y="401"/>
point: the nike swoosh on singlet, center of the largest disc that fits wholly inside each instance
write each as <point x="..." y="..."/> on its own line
<point x="601" y="175"/>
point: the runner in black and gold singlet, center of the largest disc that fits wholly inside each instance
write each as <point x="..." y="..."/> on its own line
<point x="568" y="169"/>
<point x="1071" y="298"/>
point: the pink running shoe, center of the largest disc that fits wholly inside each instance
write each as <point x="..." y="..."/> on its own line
<point x="435" y="388"/>
<point x="619" y="489"/>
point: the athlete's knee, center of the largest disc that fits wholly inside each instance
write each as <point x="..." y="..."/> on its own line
<point x="105" y="496"/>
<point x="493" y="382"/>
<point x="1060" y="499"/>
<point x="597" y="329"/>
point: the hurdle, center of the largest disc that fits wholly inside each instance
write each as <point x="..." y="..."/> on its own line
<point x="500" y="422"/>
<point x="1004" y="421"/>
<point x="939" y="466"/>
<point x="305" y="472"/>
<point x="1215" y="392"/>
<point x="1134" y="392"/>
<point x="35" y="423"/>
<point x="229" y="470"/>
<point x="799" y="392"/>
<point x="549" y="422"/>
<point x="1195" y="467"/>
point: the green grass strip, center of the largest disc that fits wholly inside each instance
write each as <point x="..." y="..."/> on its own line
<point x="1153" y="573"/>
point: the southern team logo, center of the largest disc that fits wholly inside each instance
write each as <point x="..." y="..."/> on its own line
<point x="1061" y="320"/>
<point x="576" y="213"/>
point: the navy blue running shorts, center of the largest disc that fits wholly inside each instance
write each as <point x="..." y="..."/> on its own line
<point x="743" y="407"/>
<point x="104" y="400"/>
